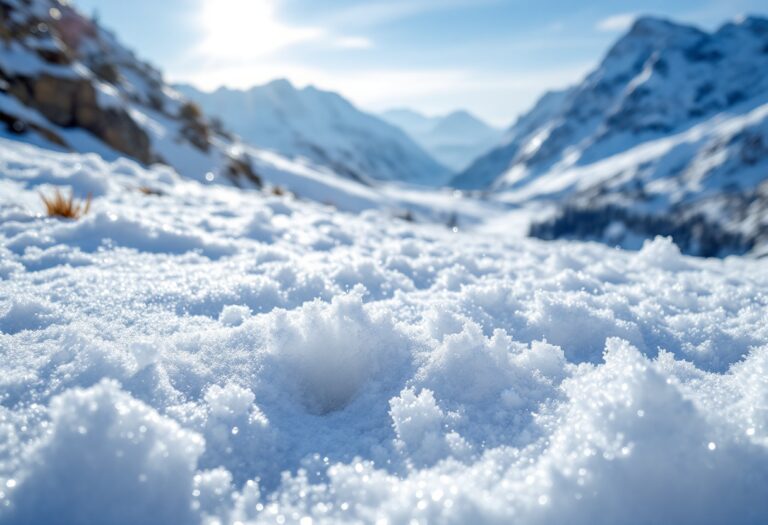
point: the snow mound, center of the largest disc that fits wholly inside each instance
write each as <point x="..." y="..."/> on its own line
<point x="331" y="352"/>
<point x="105" y="456"/>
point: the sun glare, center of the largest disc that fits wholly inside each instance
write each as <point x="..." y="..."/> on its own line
<point x="247" y="29"/>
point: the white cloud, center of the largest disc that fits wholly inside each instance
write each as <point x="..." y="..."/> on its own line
<point x="616" y="23"/>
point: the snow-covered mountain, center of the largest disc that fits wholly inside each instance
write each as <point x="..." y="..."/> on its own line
<point x="667" y="136"/>
<point x="66" y="83"/>
<point x="323" y="127"/>
<point x="455" y="139"/>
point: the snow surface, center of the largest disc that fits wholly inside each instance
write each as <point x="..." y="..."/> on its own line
<point x="215" y="355"/>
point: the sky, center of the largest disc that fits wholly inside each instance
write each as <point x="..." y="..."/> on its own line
<point x="492" y="57"/>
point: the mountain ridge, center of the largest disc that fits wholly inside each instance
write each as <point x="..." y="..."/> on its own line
<point x="322" y="126"/>
<point x="607" y="101"/>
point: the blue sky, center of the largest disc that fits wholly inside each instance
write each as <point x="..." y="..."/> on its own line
<point x="493" y="57"/>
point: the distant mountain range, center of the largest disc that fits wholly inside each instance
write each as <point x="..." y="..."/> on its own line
<point x="322" y="127"/>
<point x="455" y="139"/>
<point x="668" y="135"/>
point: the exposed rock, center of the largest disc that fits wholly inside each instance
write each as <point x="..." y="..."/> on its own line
<point x="194" y="128"/>
<point x="106" y="72"/>
<point x="693" y="233"/>
<point x="239" y="169"/>
<point x="72" y="102"/>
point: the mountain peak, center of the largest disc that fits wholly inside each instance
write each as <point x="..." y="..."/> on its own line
<point x="655" y="32"/>
<point x="462" y="122"/>
<point x="654" y="25"/>
<point x="280" y="84"/>
<point x="462" y="115"/>
<point x="754" y="23"/>
<point x="455" y="139"/>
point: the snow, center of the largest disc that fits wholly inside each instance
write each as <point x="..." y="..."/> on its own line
<point x="104" y="434"/>
<point x="660" y="160"/>
<point x="324" y="128"/>
<point x="218" y="355"/>
<point x="21" y="61"/>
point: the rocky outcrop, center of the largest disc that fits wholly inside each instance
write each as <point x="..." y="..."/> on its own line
<point x="240" y="171"/>
<point x="693" y="233"/>
<point x="73" y="102"/>
<point x="61" y="71"/>
<point x="19" y="126"/>
<point x="193" y="127"/>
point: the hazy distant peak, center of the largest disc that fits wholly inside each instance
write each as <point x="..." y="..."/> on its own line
<point x="462" y="122"/>
<point x="455" y="139"/>
<point x="280" y="83"/>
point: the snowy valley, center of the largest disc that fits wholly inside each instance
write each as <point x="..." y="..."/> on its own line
<point x="284" y="315"/>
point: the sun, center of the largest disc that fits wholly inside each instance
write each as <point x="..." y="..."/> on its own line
<point x="246" y="29"/>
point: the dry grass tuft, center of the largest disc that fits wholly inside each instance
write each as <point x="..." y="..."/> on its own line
<point x="66" y="207"/>
<point x="150" y="192"/>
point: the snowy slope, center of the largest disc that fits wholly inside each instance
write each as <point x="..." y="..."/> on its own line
<point x="67" y="83"/>
<point x="455" y="139"/>
<point x="323" y="127"/>
<point x="212" y="355"/>
<point x="667" y="136"/>
<point x="309" y="181"/>
<point x="529" y="128"/>
<point x="707" y="187"/>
